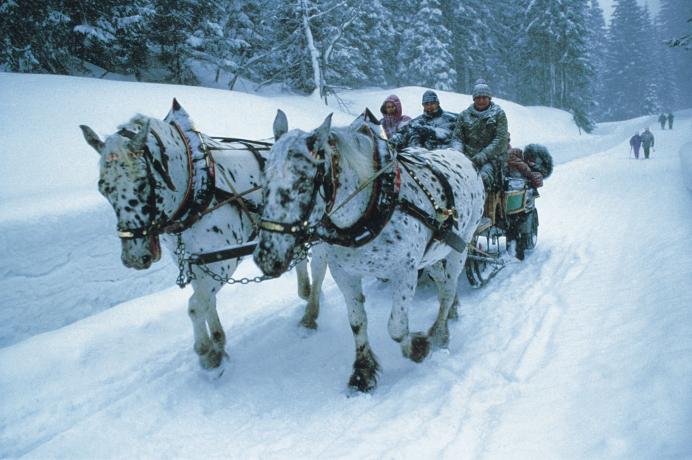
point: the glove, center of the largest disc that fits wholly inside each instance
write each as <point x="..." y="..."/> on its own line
<point x="536" y="179"/>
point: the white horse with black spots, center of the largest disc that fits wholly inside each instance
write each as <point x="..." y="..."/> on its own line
<point x="380" y="215"/>
<point x="165" y="178"/>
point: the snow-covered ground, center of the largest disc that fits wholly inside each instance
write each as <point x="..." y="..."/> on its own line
<point x="584" y="350"/>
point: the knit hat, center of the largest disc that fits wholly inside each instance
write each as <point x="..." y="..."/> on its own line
<point x="430" y="96"/>
<point x="481" y="89"/>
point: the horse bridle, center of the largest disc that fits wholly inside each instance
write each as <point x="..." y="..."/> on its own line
<point x="155" y="228"/>
<point x="301" y="228"/>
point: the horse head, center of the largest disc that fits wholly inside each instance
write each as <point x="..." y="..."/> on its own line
<point x="132" y="180"/>
<point x="294" y="176"/>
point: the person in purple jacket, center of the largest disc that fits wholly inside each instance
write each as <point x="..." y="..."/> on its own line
<point x="393" y="119"/>
<point x="635" y="143"/>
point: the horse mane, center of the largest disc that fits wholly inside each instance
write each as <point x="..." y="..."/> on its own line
<point x="355" y="149"/>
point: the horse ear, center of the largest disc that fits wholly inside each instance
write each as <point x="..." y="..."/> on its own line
<point x="137" y="143"/>
<point x="280" y="124"/>
<point x="92" y="138"/>
<point x="321" y="134"/>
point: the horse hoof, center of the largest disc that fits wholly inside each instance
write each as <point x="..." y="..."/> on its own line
<point x="308" y="323"/>
<point x="212" y="359"/>
<point x="419" y="348"/>
<point x="214" y="373"/>
<point x="360" y="383"/>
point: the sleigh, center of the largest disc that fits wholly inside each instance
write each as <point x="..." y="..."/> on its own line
<point x="509" y="216"/>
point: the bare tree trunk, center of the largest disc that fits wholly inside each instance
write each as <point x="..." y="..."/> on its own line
<point x="314" y="52"/>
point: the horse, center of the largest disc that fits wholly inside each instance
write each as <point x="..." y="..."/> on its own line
<point x="379" y="214"/>
<point x="167" y="181"/>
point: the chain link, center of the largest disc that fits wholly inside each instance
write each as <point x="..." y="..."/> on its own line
<point x="185" y="273"/>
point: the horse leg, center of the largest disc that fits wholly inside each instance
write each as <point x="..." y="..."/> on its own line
<point x="414" y="346"/>
<point x="210" y="339"/>
<point x="365" y="367"/>
<point x="445" y="273"/>
<point x="318" y="269"/>
<point x="303" y="279"/>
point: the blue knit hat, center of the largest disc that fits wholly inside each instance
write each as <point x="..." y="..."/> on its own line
<point x="481" y="89"/>
<point x="430" y="96"/>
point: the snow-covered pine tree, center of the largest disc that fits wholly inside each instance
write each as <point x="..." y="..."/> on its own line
<point x="172" y="36"/>
<point x="36" y="37"/>
<point x="471" y="26"/>
<point x="597" y="42"/>
<point x="675" y="18"/>
<point x="502" y="45"/>
<point x="577" y="71"/>
<point x="425" y="55"/>
<point x="357" y="57"/>
<point x="627" y="72"/>
<point x="654" y="72"/>
<point x="557" y="69"/>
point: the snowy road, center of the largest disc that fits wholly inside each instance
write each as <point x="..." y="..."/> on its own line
<point x="584" y="350"/>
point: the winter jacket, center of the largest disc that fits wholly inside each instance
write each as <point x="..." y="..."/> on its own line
<point x="392" y="123"/>
<point x="636" y="141"/>
<point x="482" y="134"/>
<point x="662" y="118"/>
<point x="431" y="132"/>
<point x="518" y="167"/>
<point x="647" y="139"/>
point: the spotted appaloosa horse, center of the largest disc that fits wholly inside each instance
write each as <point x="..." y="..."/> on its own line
<point x="345" y="187"/>
<point x="165" y="177"/>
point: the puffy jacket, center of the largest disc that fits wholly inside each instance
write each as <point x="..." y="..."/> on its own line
<point x="482" y="135"/>
<point x="431" y="131"/>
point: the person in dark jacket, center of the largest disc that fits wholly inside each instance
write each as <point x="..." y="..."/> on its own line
<point x="647" y="142"/>
<point x="431" y="130"/>
<point x="635" y="143"/>
<point x="670" y="120"/>
<point x="481" y="131"/>
<point x="393" y="120"/>
<point x="662" y="119"/>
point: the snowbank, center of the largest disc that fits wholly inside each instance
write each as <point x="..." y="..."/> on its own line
<point x="686" y="164"/>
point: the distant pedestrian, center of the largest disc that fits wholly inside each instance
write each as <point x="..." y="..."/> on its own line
<point x="662" y="119"/>
<point x="635" y="143"/>
<point x="670" y="120"/>
<point x="647" y="142"/>
<point x="393" y="119"/>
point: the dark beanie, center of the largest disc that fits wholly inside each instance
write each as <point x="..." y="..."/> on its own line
<point x="430" y="96"/>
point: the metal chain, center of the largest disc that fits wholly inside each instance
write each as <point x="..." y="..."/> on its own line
<point x="185" y="276"/>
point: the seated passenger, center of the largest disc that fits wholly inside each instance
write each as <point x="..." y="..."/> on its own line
<point x="393" y="120"/>
<point x="481" y="131"/>
<point x="431" y="130"/>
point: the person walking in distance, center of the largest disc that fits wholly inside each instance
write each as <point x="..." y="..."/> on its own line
<point x="662" y="119"/>
<point x="635" y="144"/>
<point x="647" y="142"/>
<point x="670" y="120"/>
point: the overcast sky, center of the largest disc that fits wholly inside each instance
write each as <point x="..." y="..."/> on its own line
<point x="607" y="6"/>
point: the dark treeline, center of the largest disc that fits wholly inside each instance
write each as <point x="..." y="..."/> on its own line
<point x="558" y="53"/>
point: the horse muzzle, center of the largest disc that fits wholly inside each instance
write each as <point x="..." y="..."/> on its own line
<point x="140" y="253"/>
<point x="270" y="261"/>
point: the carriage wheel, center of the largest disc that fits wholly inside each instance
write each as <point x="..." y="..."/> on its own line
<point x="478" y="271"/>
